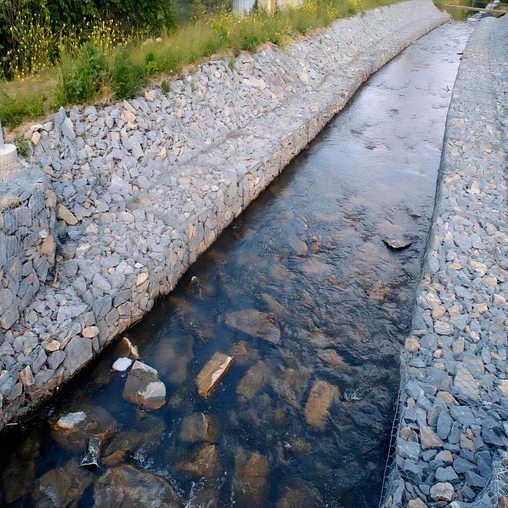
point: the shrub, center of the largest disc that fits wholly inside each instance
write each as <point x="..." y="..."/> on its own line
<point x="127" y="76"/>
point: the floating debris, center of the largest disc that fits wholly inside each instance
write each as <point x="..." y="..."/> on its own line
<point x="93" y="452"/>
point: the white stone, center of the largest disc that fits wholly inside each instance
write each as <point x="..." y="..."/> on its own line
<point x="122" y="364"/>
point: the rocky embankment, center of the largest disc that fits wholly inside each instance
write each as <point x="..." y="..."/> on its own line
<point x="120" y="200"/>
<point x="451" y="443"/>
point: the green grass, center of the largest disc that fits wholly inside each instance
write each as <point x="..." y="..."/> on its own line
<point x="92" y="74"/>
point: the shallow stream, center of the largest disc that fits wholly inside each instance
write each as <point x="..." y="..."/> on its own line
<point x="306" y="294"/>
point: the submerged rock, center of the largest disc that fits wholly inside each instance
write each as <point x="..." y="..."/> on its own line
<point x="262" y="325"/>
<point x="72" y="430"/>
<point x="62" y="486"/>
<point x="205" y="464"/>
<point x="253" y="381"/>
<point x="144" y="388"/>
<point x="274" y="306"/>
<point x="212" y="373"/>
<point x="172" y="357"/>
<point x="199" y="427"/>
<point x="127" y="486"/>
<point x="333" y="358"/>
<point x="243" y="353"/>
<point x="251" y="480"/>
<point x="301" y="496"/>
<point x="318" y="405"/>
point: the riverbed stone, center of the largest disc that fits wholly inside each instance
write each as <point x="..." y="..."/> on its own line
<point x="318" y="405"/>
<point x="251" y="479"/>
<point x="261" y="325"/>
<point x="72" y="430"/>
<point x="199" y="427"/>
<point x="62" y="486"/>
<point x="144" y="388"/>
<point x="253" y="381"/>
<point x="205" y="463"/>
<point x="127" y="486"/>
<point x="212" y="373"/>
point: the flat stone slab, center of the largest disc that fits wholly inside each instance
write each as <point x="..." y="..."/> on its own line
<point x="212" y="374"/>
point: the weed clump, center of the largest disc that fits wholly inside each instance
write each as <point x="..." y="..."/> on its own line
<point x="127" y="76"/>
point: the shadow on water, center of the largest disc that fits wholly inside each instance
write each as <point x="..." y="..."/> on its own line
<point x="304" y="419"/>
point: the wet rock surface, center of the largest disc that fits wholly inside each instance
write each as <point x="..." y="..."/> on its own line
<point x="144" y="388"/>
<point x="126" y="486"/>
<point x="452" y="438"/>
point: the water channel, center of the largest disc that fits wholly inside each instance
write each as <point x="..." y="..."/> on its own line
<point x="312" y="256"/>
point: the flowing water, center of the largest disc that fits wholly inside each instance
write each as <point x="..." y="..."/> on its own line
<point x="310" y="256"/>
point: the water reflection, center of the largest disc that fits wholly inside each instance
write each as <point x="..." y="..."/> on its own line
<point x="305" y="296"/>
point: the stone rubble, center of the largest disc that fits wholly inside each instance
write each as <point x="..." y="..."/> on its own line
<point x="121" y="199"/>
<point x="451" y="443"/>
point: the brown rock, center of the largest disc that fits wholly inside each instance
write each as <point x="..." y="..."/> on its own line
<point x="416" y="503"/>
<point x="274" y="306"/>
<point x="125" y="486"/>
<point x="125" y="349"/>
<point x="204" y="464"/>
<point x="412" y="345"/>
<point x="72" y="430"/>
<point x="333" y="358"/>
<point x="48" y="247"/>
<point x="291" y="384"/>
<point x="318" y="405"/>
<point x="251" y="480"/>
<point x="261" y="325"/>
<point x="442" y="492"/>
<point x="302" y="496"/>
<point x="243" y="353"/>
<point x="144" y="388"/>
<point x="429" y="439"/>
<point x="66" y="215"/>
<point x="26" y="377"/>
<point x="90" y="332"/>
<point x="253" y="381"/>
<point x="114" y="459"/>
<point x="447" y="398"/>
<point x="212" y="373"/>
<point x="51" y="346"/>
<point x="62" y="486"/>
<point x="199" y="427"/>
